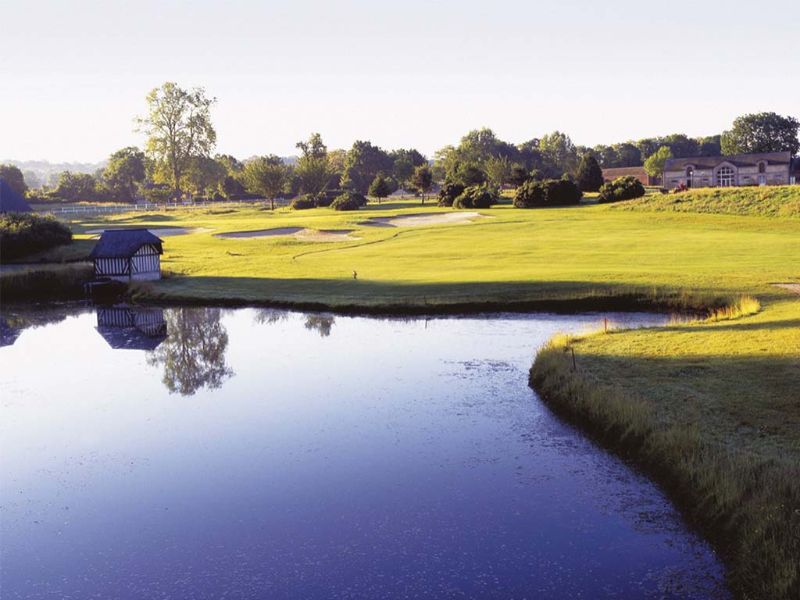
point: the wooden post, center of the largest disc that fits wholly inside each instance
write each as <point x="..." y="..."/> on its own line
<point x="574" y="366"/>
<point x="605" y="324"/>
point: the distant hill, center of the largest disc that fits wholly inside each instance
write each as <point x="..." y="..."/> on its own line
<point x="40" y="172"/>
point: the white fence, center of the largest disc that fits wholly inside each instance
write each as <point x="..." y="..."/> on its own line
<point x="147" y="207"/>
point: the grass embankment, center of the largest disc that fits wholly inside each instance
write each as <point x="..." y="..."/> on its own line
<point x="781" y="201"/>
<point x="711" y="408"/>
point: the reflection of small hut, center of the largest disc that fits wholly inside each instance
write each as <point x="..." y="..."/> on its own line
<point x="127" y="254"/>
<point x="132" y="328"/>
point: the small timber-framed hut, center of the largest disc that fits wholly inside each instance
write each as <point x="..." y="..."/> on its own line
<point x="127" y="255"/>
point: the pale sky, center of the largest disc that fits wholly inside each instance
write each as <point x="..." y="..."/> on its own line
<point x="410" y="73"/>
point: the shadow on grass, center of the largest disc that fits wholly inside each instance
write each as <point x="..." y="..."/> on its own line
<point x="360" y="295"/>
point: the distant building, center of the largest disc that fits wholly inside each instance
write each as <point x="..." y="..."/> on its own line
<point x="127" y="255"/>
<point x="11" y="200"/>
<point x="768" y="168"/>
<point x="637" y="172"/>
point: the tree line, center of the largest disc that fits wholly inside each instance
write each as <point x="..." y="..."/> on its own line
<point x="177" y="159"/>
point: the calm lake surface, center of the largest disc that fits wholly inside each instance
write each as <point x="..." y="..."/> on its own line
<point x="206" y="453"/>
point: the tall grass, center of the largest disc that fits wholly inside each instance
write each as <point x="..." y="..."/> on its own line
<point x="748" y="506"/>
<point x="53" y="283"/>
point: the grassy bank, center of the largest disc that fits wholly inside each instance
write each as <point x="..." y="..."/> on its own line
<point x="43" y="283"/>
<point x="711" y="410"/>
<point x="781" y="201"/>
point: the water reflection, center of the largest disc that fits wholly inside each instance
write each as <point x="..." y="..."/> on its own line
<point x="8" y="334"/>
<point x="322" y="324"/>
<point x="131" y="328"/>
<point x="193" y="353"/>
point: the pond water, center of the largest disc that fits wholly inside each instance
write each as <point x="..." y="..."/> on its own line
<point x="201" y="453"/>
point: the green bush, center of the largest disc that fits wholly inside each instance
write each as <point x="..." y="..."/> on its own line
<point x="349" y="201"/>
<point x="26" y="233"/>
<point x="551" y="192"/>
<point x="622" y="188"/>
<point x="449" y="192"/>
<point x="304" y="202"/>
<point x="476" y="196"/>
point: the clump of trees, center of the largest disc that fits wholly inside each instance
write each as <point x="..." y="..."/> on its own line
<point x="547" y="193"/>
<point x="14" y="178"/>
<point x="25" y="233"/>
<point x="349" y="201"/>
<point x="654" y="165"/>
<point x="304" y="202"/>
<point x="622" y="188"/>
<point x="476" y="196"/>
<point x="449" y="192"/>
<point x="380" y="187"/>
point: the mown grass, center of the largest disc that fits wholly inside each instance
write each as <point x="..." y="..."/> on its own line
<point x="712" y="408"/>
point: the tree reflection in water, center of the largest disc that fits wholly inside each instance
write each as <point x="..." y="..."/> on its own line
<point x="193" y="355"/>
<point x="322" y="324"/>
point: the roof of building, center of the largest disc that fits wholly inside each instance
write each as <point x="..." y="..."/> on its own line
<point x="620" y="171"/>
<point x="122" y="243"/>
<point x="11" y="200"/>
<point x="738" y="160"/>
<point x="131" y="338"/>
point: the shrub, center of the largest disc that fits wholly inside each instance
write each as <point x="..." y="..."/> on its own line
<point x="590" y="175"/>
<point x="551" y="192"/>
<point x="449" y="192"/>
<point x="326" y="197"/>
<point x="476" y="196"/>
<point x="349" y="201"/>
<point x="622" y="188"/>
<point x="26" y="233"/>
<point x="304" y="202"/>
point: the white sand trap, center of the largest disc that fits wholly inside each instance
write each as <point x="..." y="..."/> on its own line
<point x="157" y="231"/>
<point x="424" y="219"/>
<point x="792" y="287"/>
<point x="260" y="233"/>
<point x="325" y="235"/>
<point x="299" y="233"/>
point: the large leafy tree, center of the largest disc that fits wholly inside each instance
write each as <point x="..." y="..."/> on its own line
<point x="498" y="170"/>
<point x="364" y="161"/>
<point x="313" y="170"/>
<point x="124" y="173"/>
<point x="76" y="186"/>
<point x="590" y="175"/>
<point x="266" y="175"/>
<point x="479" y="145"/>
<point x="559" y="154"/>
<point x="380" y="187"/>
<point x="14" y="178"/>
<point x="178" y="128"/>
<point x="422" y="180"/>
<point x="205" y="176"/>
<point x="628" y="155"/>
<point x="762" y="132"/>
<point x="654" y="165"/>
<point x="404" y="162"/>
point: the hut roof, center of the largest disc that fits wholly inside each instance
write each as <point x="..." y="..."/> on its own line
<point x="10" y="199"/>
<point x="122" y="243"/>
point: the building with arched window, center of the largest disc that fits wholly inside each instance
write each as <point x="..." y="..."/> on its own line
<point x="770" y="168"/>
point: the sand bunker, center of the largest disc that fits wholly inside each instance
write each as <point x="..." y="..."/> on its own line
<point x="299" y="233"/>
<point x="157" y="231"/>
<point x="792" y="287"/>
<point x="423" y="219"/>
